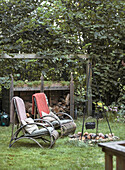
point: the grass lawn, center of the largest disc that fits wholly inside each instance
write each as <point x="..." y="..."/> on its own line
<point x="65" y="155"/>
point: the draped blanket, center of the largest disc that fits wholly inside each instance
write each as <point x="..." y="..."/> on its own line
<point x="41" y="103"/>
<point x="20" y="109"/>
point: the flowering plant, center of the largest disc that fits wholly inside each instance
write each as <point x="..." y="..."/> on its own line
<point x="100" y="106"/>
<point x="113" y="109"/>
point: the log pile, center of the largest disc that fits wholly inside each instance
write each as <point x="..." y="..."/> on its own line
<point x="28" y="107"/>
<point x="57" y="105"/>
<point x="62" y="105"/>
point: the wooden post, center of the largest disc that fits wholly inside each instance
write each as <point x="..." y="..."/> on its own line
<point x="11" y="88"/>
<point x="111" y="149"/>
<point x="108" y="162"/>
<point x="72" y="97"/>
<point x="11" y="93"/>
<point x="42" y="83"/>
<point x="120" y="163"/>
<point x="88" y="84"/>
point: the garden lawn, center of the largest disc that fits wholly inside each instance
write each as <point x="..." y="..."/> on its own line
<point x="63" y="156"/>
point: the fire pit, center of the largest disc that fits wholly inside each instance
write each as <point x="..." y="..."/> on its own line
<point x="92" y="138"/>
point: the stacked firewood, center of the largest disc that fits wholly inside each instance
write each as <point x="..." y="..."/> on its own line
<point x="62" y="105"/>
<point x="28" y="107"/>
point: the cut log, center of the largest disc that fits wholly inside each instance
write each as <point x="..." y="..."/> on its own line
<point x="28" y="107"/>
<point x="67" y="101"/>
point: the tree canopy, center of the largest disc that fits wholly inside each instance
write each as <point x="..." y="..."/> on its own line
<point x="61" y="27"/>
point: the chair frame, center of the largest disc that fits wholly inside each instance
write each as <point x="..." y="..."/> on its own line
<point x="20" y="128"/>
<point x="60" y="126"/>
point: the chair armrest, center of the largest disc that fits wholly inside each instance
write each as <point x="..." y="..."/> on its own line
<point x="46" y="121"/>
<point x="65" y="114"/>
<point x="52" y="117"/>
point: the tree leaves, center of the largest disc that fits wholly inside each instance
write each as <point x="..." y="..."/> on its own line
<point x="57" y="28"/>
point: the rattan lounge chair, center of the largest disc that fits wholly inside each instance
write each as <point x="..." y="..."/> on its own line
<point x="61" y="121"/>
<point x="27" y="128"/>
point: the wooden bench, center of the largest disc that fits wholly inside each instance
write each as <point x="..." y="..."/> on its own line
<point x="114" y="149"/>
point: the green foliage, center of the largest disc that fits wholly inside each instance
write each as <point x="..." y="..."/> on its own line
<point x="29" y="27"/>
<point x="51" y="28"/>
<point x="57" y="28"/>
<point x="21" y="83"/>
<point x="36" y="83"/>
<point x="5" y="82"/>
<point x="120" y="118"/>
